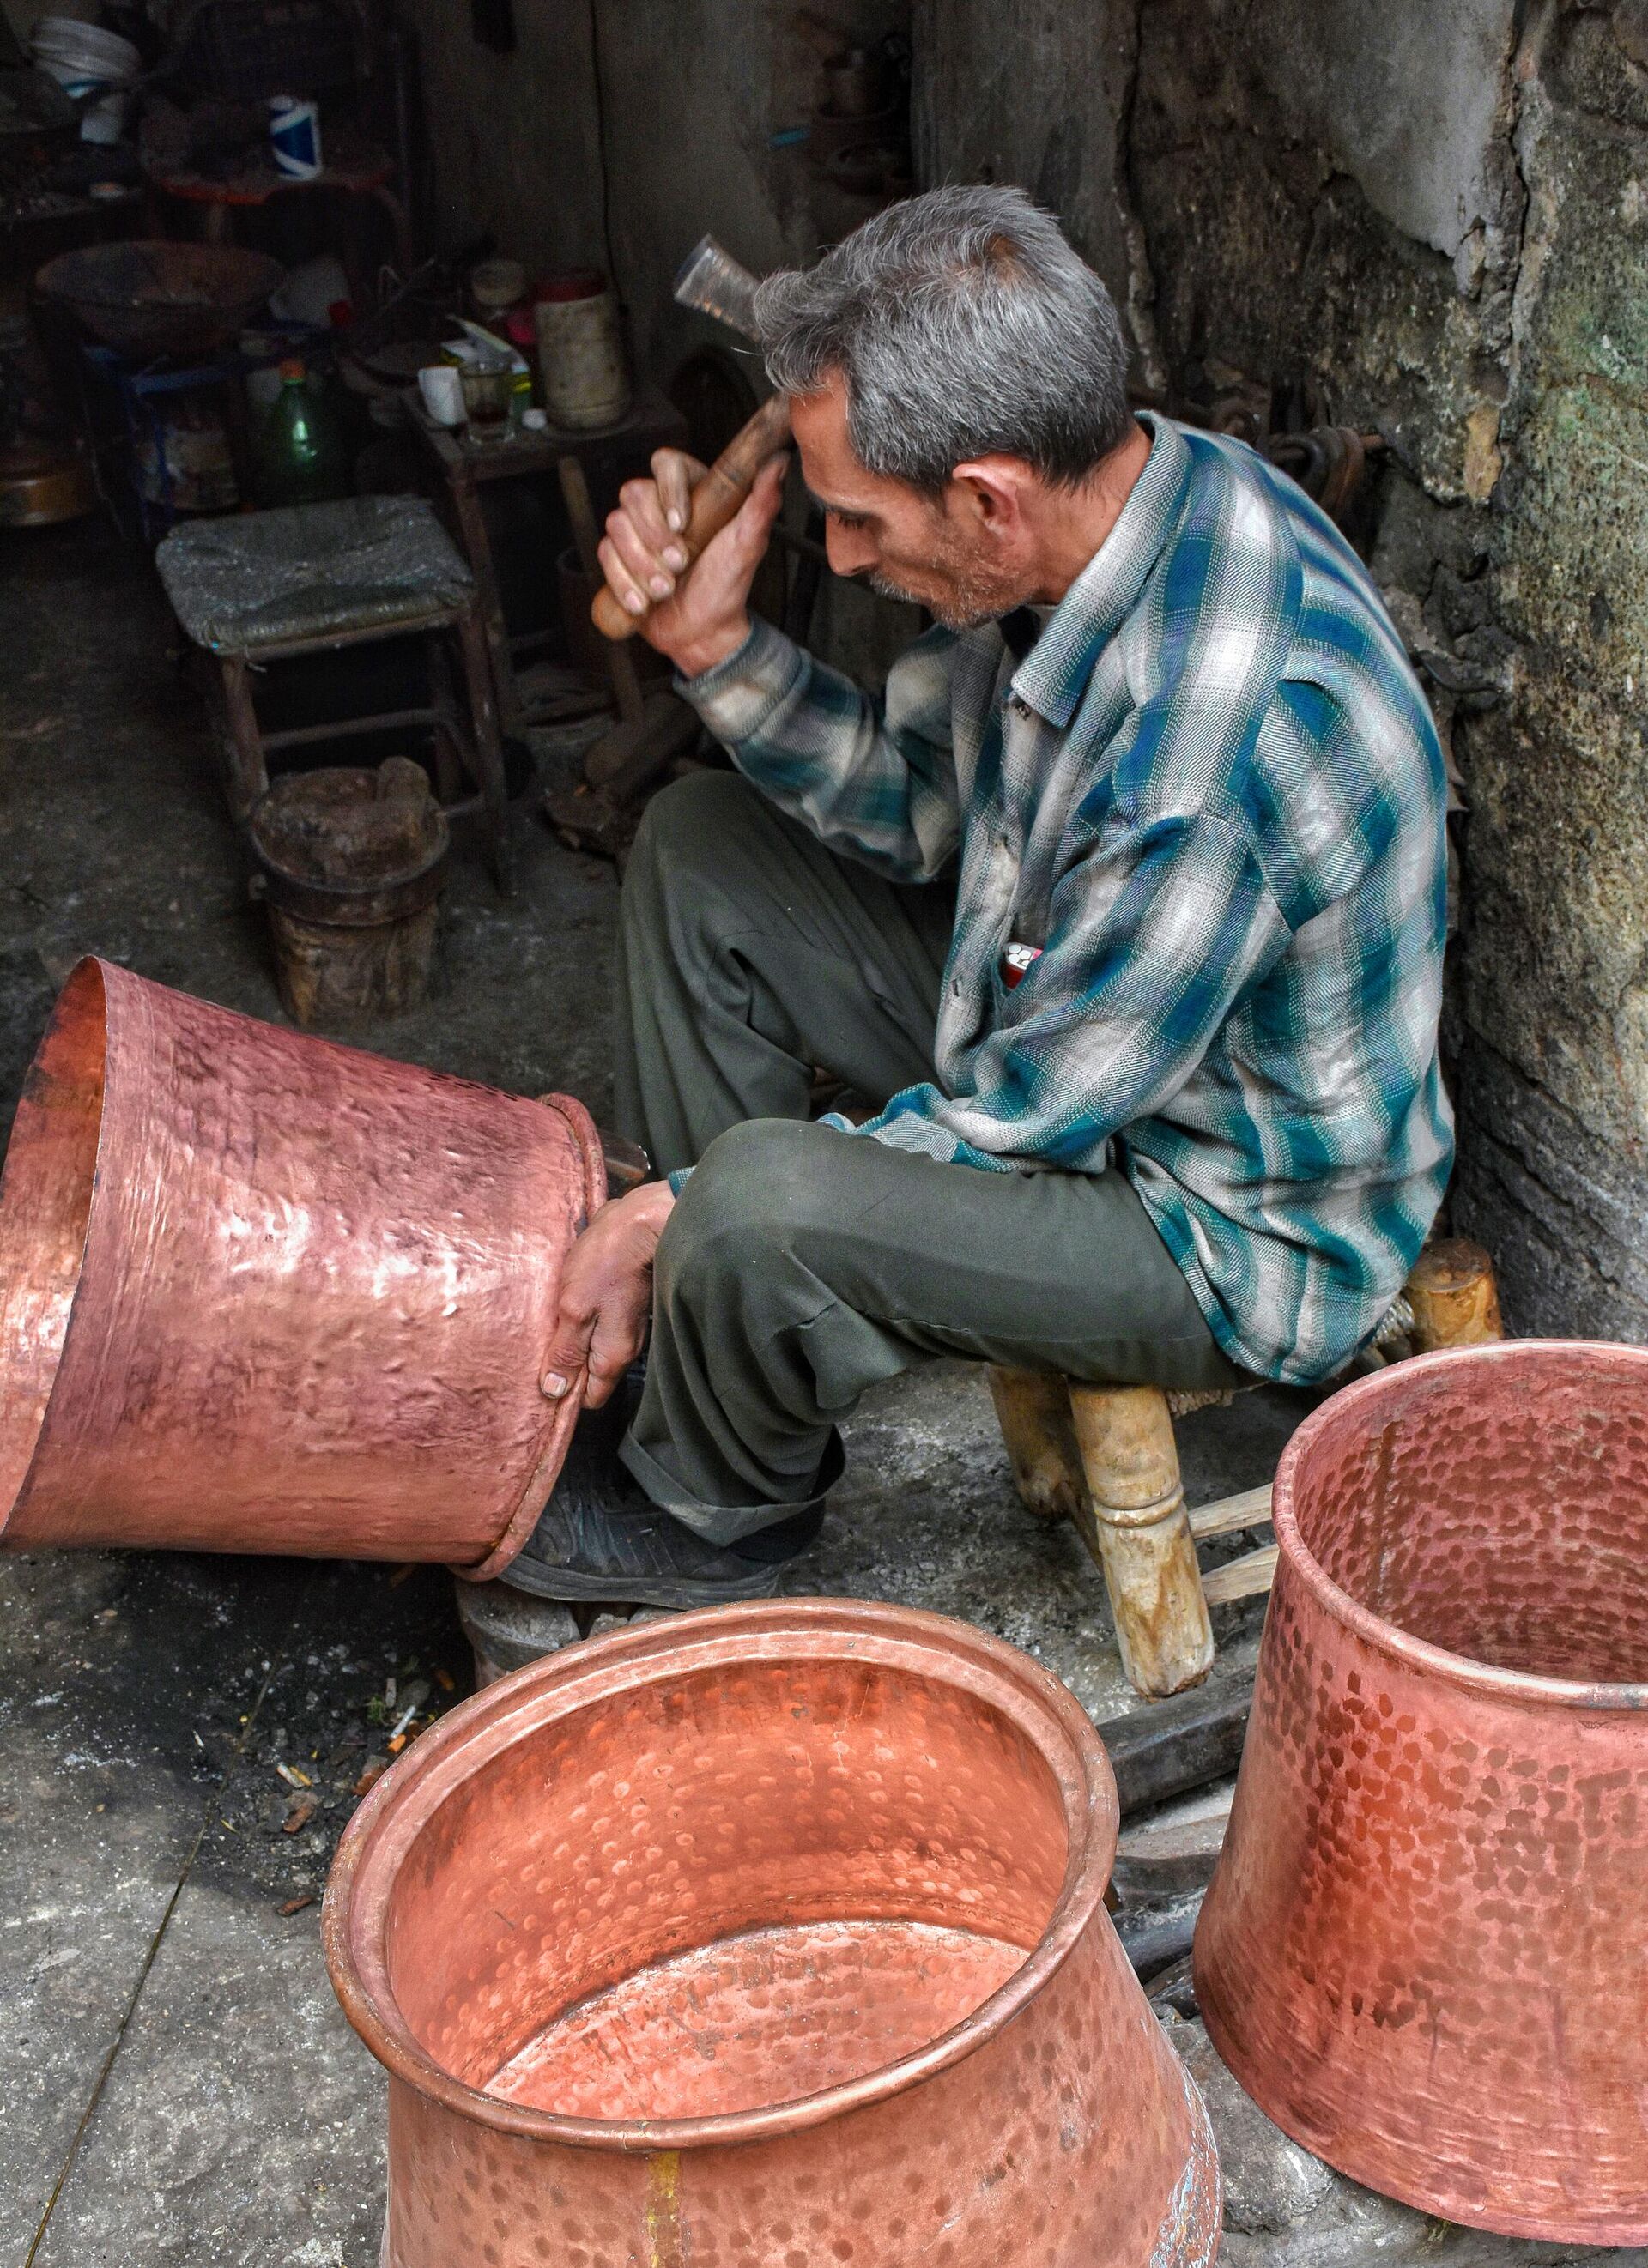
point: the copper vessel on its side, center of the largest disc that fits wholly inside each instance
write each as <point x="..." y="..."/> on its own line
<point x="1425" y="1949"/>
<point x="263" y="1292"/>
<point x="770" y="1933"/>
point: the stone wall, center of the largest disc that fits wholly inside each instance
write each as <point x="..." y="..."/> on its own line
<point x="1431" y="222"/>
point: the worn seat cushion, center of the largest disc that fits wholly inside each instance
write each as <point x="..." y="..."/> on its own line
<point x="272" y="578"/>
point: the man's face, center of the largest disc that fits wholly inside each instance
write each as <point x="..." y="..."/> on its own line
<point x="906" y="545"/>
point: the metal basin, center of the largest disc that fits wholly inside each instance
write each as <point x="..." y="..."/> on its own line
<point x="773" y="1933"/>
<point x="1423" y="1951"/>
<point x="158" y="298"/>
<point x="264" y="1292"/>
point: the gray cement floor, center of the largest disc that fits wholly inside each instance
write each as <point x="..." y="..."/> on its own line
<point x="176" y="2084"/>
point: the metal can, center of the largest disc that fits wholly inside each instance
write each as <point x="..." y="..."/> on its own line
<point x="294" y="129"/>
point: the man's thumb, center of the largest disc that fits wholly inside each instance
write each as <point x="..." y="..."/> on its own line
<point x="568" y="1354"/>
<point x="760" y="508"/>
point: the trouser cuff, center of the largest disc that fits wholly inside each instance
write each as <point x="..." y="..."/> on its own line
<point x="727" y="1523"/>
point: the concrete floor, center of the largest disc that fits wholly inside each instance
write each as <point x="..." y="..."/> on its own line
<point x="176" y="2083"/>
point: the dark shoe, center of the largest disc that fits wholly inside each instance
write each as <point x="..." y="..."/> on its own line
<point x="601" y="1537"/>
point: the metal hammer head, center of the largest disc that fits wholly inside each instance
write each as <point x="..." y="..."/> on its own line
<point x="715" y="283"/>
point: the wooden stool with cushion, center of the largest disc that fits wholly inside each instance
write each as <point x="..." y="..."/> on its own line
<point x="313" y="578"/>
<point x="1103" y="1457"/>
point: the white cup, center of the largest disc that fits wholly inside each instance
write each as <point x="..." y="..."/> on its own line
<point x="442" y="389"/>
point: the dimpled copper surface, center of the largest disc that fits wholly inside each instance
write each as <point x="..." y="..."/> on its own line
<point x="263" y="1292"/>
<point x="1425" y="1950"/>
<point x="768" y="2017"/>
<point x="764" y="1937"/>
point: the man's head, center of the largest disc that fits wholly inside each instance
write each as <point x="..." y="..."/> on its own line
<point x="954" y="366"/>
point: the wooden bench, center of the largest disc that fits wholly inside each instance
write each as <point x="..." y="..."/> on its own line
<point x="1105" y="1458"/>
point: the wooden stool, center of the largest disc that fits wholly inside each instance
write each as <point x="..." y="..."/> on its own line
<point x="317" y="578"/>
<point x="1105" y="1458"/>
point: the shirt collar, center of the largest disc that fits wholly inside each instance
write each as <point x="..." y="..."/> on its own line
<point x="1053" y="675"/>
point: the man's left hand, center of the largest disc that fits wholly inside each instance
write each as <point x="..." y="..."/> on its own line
<point x="607" y="1295"/>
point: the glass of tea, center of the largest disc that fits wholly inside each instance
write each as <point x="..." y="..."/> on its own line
<point x="489" y="390"/>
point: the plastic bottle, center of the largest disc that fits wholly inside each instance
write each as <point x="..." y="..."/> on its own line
<point x="299" y="455"/>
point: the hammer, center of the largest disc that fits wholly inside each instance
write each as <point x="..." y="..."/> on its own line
<point x="712" y="281"/>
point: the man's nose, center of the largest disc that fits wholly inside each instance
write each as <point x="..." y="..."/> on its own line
<point x="851" y="550"/>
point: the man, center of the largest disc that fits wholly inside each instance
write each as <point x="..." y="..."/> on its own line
<point x="1124" y="910"/>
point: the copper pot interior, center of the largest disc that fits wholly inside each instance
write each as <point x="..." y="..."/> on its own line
<point x="45" y="1204"/>
<point x="1508" y="1524"/>
<point x="724" y="1890"/>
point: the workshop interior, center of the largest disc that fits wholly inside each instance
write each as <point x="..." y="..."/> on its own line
<point x="824" y="1048"/>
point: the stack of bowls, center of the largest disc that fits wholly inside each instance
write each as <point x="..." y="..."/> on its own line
<point x="82" y="59"/>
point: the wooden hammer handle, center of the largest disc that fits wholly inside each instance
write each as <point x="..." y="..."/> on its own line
<point x="716" y="501"/>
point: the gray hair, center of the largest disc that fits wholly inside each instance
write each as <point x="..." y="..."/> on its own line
<point x="963" y="324"/>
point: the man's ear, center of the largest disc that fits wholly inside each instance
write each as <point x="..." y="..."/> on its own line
<point x="990" y="492"/>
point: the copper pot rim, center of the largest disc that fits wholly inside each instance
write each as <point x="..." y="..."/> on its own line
<point x="524" y="1519"/>
<point x="24" y="1416"/>
<point x="1388" y="1638"/>
<point x="409" y="1793"/>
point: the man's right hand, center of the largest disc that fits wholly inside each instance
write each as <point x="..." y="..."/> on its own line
<point x="696" y="613"/>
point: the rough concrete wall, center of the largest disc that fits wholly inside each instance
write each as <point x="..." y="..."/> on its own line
<point x="512" y="138"/>
<point x="1429" y="222"/>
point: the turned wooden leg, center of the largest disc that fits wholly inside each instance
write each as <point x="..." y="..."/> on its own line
<point x="1138" y="1530"/>
<point x="1033" y="1410"/>
<point x="1455" y="1296"/>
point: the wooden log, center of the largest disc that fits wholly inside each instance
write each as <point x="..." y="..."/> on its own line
<point x="1231" y="1514"/>
<point x="1455" y="1296"/>
<point x="1246" y="1577"/>
<point x="1179" y="1744"/>
<point x="1032" y="1407"/>
<point x="1135" y="1525"/>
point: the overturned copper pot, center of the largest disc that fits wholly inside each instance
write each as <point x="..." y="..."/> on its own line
<point x="1425" y="1949"/>
<point x="773" y="1932"/>
<point x="263" y="1292"/>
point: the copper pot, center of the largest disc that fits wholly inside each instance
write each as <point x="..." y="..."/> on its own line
<point x="770" y="1933"/>
<point x="1422" y="1952"/>
<point x="263" y="1292"/>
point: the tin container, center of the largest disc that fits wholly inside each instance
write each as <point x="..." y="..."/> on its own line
<point x="294" y="134"/>
<point x="1425" y="1948"/>
<point x="775" y="1932"/>
<point x="586" y="372"/>
<point x="260" y="1292"/>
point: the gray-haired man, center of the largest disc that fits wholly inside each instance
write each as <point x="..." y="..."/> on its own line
<point x="1124" y="908"/>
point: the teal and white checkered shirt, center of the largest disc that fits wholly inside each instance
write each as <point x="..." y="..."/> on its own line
<point x="1213" y="794"/>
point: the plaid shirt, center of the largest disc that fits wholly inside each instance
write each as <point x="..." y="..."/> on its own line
<point x="1212" y="793"/>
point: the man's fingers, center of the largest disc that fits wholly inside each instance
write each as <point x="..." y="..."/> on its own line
<point x="642" y="503"/>
<point x="568" y="1355"/>
<point x="624" y="586"/>
<point x="646" y="570"/>
<point x="677" y="474"/>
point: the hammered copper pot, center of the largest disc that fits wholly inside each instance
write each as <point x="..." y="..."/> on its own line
<point x="1425" y="1949"/>
<point x="263" y="1292"/>
<point x="770" y="1935"/>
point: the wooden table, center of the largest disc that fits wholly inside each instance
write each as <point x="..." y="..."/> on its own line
<point x="609" y="456"/>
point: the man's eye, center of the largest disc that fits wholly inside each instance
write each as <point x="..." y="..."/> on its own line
<point x="848" y="518"/>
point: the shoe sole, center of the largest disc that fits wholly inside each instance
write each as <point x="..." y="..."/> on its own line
<point x="668" y="1590"/>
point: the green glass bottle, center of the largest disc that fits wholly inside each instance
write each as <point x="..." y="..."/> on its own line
<point x="298" y="450"/>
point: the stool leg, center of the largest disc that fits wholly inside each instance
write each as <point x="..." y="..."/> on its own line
<point x="243" y="740"/>
<point x="1455" y="1296"/>
<point x="488" y="756"/>
<point x="1032" y="1407"/>
<point x="1141" y="1535"/>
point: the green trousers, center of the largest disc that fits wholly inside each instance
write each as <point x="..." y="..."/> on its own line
<point x="801" y="1264"/>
